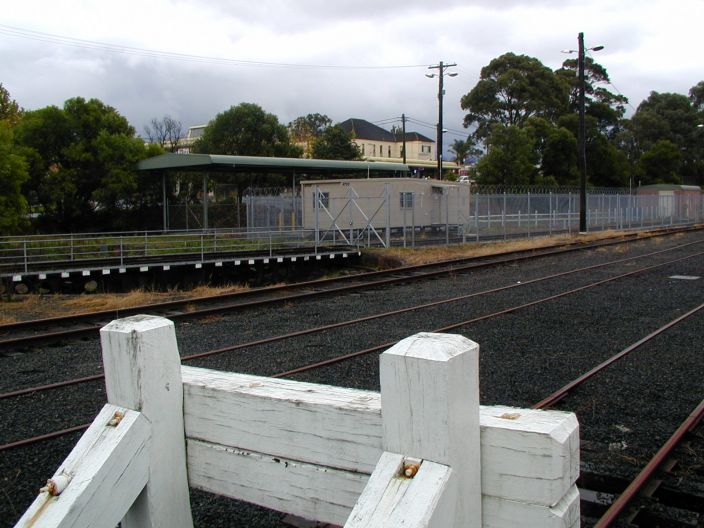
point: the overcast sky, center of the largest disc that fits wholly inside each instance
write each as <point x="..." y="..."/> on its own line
<point x="191" y="59"/>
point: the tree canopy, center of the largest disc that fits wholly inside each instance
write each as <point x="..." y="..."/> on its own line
<point x="81" y="163"/>
<point x="10" y="111"/>
<point x="13" y="173"/>
<point x="511" y="89"/>
<point x="518" y="91"/>
<point x="247" y="130"/>
<point x="335" y="143"/>
<point x="304" y="130"/>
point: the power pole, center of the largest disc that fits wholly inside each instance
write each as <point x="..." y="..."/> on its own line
<point x="441" y="67"/>
<point x="581" y="141"/>
<point x="403" y="125"/>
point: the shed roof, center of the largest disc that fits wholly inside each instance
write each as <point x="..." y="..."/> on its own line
<point x="669" y="187"/>
<point x="219" y="162"/>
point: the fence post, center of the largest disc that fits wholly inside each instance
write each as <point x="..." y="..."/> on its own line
<point x="316" y="210"/>
<point x="387" y="199"/>
<point x="143" y="373"/>
<point x="430" y="410"/>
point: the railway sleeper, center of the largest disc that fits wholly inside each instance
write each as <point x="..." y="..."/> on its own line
<point x="670" y="506"/>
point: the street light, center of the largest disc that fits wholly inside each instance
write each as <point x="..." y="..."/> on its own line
<point x="581" y="141"/>
<point x="441" y="67"/>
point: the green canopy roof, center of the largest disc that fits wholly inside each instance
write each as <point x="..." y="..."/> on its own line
<point x="218" y="162"/>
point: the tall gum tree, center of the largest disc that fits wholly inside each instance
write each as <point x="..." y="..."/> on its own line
<point x="511" y="89"/>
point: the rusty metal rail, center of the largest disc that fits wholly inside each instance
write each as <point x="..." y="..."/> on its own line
<point x="183" y="308"/>
<point x="648" y="472"/>
<point x="565" y="390"/>
<point x="232" y="348"/>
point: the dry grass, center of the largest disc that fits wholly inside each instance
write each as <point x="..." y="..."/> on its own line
<point x="91" y="303"/>
<point x="405" y="256"/>
<point x="41" y="306"/>
<point x="7" y="319"/>
<point x="209" y="291"/>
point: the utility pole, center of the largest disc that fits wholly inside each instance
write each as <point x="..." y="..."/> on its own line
<point x="441" y="67"/>
<point x="581" y="136"/>
<point x="403" y="131"/>
<point x="581" y="142"/>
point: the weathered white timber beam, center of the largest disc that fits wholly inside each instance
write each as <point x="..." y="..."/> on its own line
<point x="143" y="373"/>
<point x="321" y="424"/>
<point x="514" y="442"/>
<point x="327" y="494"/>
<point x="100" y="478"/>
<point x="392" y="499"/>
<point x="307" y="490"/>
<point x="502" y="513"/>
<point x="509" y="435"/>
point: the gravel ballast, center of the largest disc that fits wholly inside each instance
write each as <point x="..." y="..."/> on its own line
<point x="525" y="355"/>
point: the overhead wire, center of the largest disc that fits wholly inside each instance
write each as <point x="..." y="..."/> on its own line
<point x="40" y="36"/>
<point x="619" y="92"/>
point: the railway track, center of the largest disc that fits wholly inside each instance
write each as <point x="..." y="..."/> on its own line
<point x="513" y="305"/>
<point x="378" y="316"/>
<point x="30" y="332"/>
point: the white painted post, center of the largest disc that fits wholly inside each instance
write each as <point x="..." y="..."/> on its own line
<point x="143" y="373"/>
<point x="430" y="410"/>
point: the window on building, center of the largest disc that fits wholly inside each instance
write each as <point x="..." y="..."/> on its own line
<point x="406" y="200"/>
<point x="425" y="149"/>
<point x="389" y="151"/>
<point x="324" y="199"/>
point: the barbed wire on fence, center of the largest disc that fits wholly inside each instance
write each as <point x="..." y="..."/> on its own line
<point x="537" y="189"/>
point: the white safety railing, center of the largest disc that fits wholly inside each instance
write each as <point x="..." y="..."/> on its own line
<point x="423" y="453"/>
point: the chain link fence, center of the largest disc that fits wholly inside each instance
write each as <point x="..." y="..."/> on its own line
<point x="489" y="215"/>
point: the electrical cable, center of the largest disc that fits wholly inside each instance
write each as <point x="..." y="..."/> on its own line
<point x="40" y="36"/>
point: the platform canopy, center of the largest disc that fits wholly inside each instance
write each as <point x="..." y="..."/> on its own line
<point x="223" y="163"/>
<point x="241" y="165"/>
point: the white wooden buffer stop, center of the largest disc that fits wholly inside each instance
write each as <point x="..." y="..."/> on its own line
<point x="430" y="412"/>
<point x="328" y="454"/>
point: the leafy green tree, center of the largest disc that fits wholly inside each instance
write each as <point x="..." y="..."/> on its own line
<point x="464" y="148"/>
<point x="10" y="111"/>
<point x="559" y="159"/>
<point x="696" y="96"/>
<point x="665" y="116"/>
<point x="511" y="89"/>
<point x="247" y="130"/>
<point x="605" y="107"/>
<point x="660" y="164"/>
<point x="13" y="173"/>
<point x="335" y="143"/>
<point x="511" y="157"/>
<point x="674" y="118"/>
<point x="81" y="160"/>
<point x="305" y="129"/>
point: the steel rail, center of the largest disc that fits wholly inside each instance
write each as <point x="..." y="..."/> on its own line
<point x="387" y="345"/>
<point x="485" y="262"/>
<point x="648" y="471"/>
<point x="309" y="331"/>
<point x="454" y="326"/>
<point x="41" y="438"/>
<point x="565" y="390"/>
